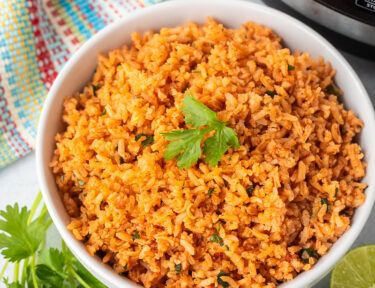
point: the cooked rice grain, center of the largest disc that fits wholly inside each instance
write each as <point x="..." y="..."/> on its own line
<point x="297" y="153"/>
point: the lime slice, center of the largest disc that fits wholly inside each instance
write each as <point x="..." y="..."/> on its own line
<point x="355" y="269"/>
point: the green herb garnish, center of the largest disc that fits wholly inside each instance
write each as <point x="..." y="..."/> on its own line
<point x="104" y="112"/>
<point x="177" y="268"/>
<point x="217" y="239"/>
<point x="336" y="190"/>
<point x="271" y="93"/>
<point x="343" y="212"/>
<point x="148" y="141"/>
<point x="250" y="190"/>
<point x="325" y="201"/>
<point x="21" y="242"/>
<point x="309" y="252"/>
<point x="291" y="68"/>
<point x="126" y="267"/>
<point x="210" y="191"/>
<point x="222" y="282"/>
<point x="96" y="87"/>
<point x="186" y="144"/>
<point x="136" y="235"/>
<point x="330" y="89"/>
<point x="21" y="238"/>
<point x="81" y="182"/>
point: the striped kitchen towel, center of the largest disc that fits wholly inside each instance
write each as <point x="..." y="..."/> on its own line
<point x="36" y="38"/>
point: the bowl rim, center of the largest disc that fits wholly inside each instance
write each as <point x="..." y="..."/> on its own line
<point x="106" y="273"/>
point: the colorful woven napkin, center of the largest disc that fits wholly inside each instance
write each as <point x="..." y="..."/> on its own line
<point x="37" y="37"/>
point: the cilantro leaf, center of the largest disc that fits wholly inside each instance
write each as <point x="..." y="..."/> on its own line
<point x="331" y="89"/>
<point x="305" y="254"/>
<point x="136" y="235"/>
<point x="96" y="87"/>
<point x="48" y="275"/>
<point x="148" y="141"/>
<point x="271" y="93"/>
<point x="12" y="285"/>
<point x="215" y="146"/>
<point x="197" y="114"/>
<point x="52" y="258"/>
<point x="250" y="190"/>
<point x="188" y="141"/>
<point x="21" y="240"/>
<point x="343" y="212"/>
<point x="325" y="201"/>
<point x="83" y="273"/>
<point x="178" y="268"/>
<point x="222" y="282"/>
<point x="217" y="239"/>
<point x="187" y="146"/>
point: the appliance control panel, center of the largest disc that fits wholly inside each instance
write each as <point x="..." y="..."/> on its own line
<point x="361" y="10"/>
<point x="366" y="4"/>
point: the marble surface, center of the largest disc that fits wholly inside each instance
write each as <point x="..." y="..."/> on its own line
<point x="18" y="182"/>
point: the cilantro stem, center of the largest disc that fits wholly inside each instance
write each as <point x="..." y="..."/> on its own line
<point x="34" y="207"/>
<point x="68" y="264"/>
<point x="3" y="270"/>
<point x="23" y="277"/>
<point x="79" y="279"/>
<point x="42" y="247"/>
<point x="43" y="213"/>
<point x="43" y="216"/>
<point x="71" y="280"/>
<point x="48" y="224"/>
<point x="33" y="271"/>
<point x="16" y="271"/>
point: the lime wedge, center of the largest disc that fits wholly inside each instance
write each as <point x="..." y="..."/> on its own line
<point x="355" y="269"/>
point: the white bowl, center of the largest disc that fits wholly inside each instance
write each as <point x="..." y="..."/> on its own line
<point x="296" y="35"/>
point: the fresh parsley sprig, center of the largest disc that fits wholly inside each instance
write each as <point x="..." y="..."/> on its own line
<point x="22" y="242"/>
<point x="186" y="144"/>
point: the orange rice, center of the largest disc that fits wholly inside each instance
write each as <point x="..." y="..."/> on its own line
<point x="292" y="185"/>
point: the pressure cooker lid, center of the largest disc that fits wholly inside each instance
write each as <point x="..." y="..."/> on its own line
<point x="360" y="10"/>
